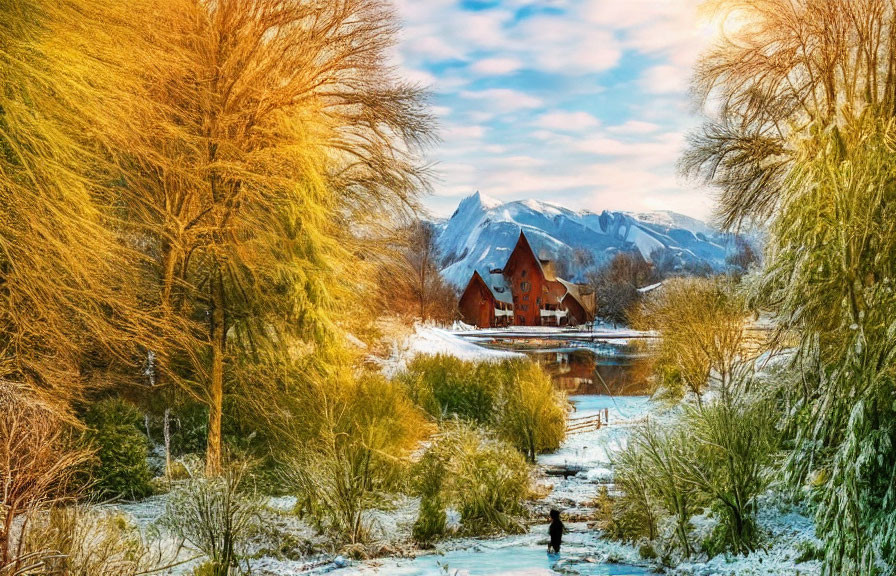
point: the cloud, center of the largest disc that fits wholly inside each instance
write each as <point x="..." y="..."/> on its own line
<point x="416" y="76"/>
<point x="563" y="121"/>
<point x="503" y="100"/>
<point x="563" y="45"/>
<point x="665" y="79"/>
<point x="663" y="150"/>
<point x="581" y="102"/>
<point x="634" y="127"/>
<point x="459" y="131"/>
<point x="496" y="66"/>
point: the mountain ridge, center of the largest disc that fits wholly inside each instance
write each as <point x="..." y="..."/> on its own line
<point x="481" y="232"/>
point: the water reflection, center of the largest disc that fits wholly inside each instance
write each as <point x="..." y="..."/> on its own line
<point x="618" y="370"/>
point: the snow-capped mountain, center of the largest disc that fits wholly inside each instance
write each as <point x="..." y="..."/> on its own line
<point x="482" y="232"/>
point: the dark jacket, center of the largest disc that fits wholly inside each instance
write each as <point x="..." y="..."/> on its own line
<point x="556" y="532"/>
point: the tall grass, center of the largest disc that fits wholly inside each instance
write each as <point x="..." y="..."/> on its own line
<point x="360" y="458"/>
<point x="76" y="541"/>
<point x="469" y="470"/>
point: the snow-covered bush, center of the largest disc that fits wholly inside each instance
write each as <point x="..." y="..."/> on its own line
<point x="664" y="452"/>
<point x="715" y="457"/>
<point x="735" y="439"/>
<point x="215" y="515"/>
<point x="635" y="512"/>
<point x="469" y="470"/>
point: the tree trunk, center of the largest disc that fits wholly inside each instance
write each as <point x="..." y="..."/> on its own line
<point x="166" y="435"/>
<point x="218" y="336"/>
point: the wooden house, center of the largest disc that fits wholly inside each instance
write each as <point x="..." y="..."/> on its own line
<point x="525" y="292"/>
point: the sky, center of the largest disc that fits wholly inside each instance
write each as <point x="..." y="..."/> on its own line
<point x="583" y="103"/>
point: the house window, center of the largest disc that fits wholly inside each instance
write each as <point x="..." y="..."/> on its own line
<point x="523" y="273"/>
<point x="525" y="286"/>
<point x="525" y="297"/>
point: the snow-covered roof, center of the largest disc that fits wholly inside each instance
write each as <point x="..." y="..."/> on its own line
<point x="499" y="287"/>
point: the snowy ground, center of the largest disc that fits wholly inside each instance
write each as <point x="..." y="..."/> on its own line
<point x="788" y="533"/>
<point x="592" y="451"/>
<point x="584" y="552"/>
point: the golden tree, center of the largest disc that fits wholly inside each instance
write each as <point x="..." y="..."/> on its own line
<point x="66" y="307"/>
<point x="702" y="326"/>
<point x="270" y="134"/>
<point x="782" y="69"/>
<point x="804" y="141"/>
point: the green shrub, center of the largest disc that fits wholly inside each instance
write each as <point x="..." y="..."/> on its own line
<point x="603" y="515"/>
<point x="119" y="468"/>
<point x="808" y="550"/>
<point x="360" y="459"/>
<point x="717" y="455"/>
<point x="482" y="477"/>
<point x="735" y="441"/>
<point x="533" y="413"/>
<point x="659" y="454"/>
<point x="189" y="429"/>
<point x="636" y="510"/>
<point x="516" y="398"/>
<point x="647" y="552"/>
<point x="445" y="386"/>
<point x="431" y="520"/>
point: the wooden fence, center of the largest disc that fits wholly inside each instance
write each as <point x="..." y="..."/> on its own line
<point x="588" y="423"/>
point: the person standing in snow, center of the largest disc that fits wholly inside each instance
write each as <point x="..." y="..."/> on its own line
<point x="556" y="532"/>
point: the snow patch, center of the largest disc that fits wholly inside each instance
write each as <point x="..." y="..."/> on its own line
<point x="432" y="340"/>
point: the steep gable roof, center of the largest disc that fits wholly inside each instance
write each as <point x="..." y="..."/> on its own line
<point x="476" y="281"/>
<point x="495" y="284"/>
<point x="523" y="249"/>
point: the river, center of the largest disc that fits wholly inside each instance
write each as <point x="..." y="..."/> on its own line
<point x="596" y="376"/>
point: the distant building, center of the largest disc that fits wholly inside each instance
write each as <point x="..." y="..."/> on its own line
<point x="525" y="292"/>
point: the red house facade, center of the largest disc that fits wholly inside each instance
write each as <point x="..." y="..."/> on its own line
<point x="525" y="292"/>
